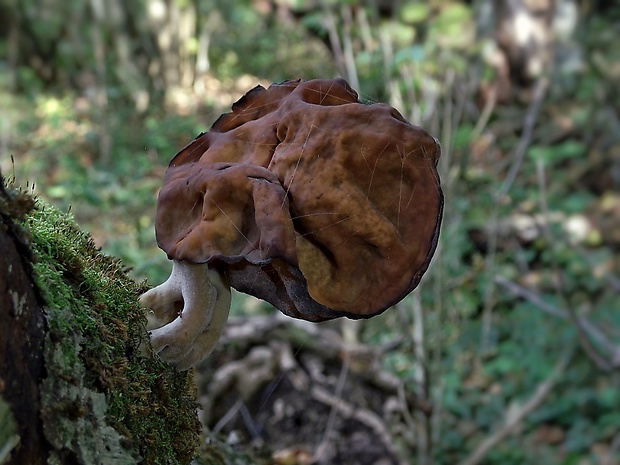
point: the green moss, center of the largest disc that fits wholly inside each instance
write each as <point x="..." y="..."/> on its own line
<point x="99" y="385"/>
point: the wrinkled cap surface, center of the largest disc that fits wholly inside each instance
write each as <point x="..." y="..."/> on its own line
<point x="308" y="199"/>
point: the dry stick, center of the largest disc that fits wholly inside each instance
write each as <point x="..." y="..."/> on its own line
<point x="327" y="344"/>
<point x="481" y="123"/>
<point x="331" y="419"/>
<point x="447" y="133"/>
<point x="365" y="30"/>
<point x="334" y="38"/>
<point x="101" y="94"/>
<point x="584" y="340"/>
<point x="591" y="351"/>
<point x="524" y="142"/>
<point x="485" y="116"/>
<point x="488" y="299"/>
<point x="365" y="416"/>
<point x="514" y="418"/>
<point x="229" y="416"/>
<point x="529" y="122"/>
<point x="407" y="76"/>
<point x="349" y="58"/>
<point x="439" y="347"/>
<point x="424" y="433"/>
<point x="587" y="326"/>
<point x="439" y="282"/>
<point x="613" y="448"/>
<point x="301" y="381"/>
<point x="387" y="54"/>
<point x="612" y="280"/>
<point x="5" y="138"/>
<point x="404" y="406"/>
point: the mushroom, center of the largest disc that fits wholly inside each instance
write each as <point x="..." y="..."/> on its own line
<point x="301" y="196"/>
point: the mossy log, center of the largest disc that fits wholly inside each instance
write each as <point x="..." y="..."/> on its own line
<point x="74" y="384"/>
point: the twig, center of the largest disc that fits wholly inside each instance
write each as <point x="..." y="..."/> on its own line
<point x="360" y="360"/>
<point x="402" y="397"/>
<point x="5" y="138"/>
<point x="488" y="300"/>
<point x="347" y="44"/>
<point x="364" y="416"/>
<point x="424" y="433"/>
<point x="229" y="416"/>
<point x="302" y="382"/>
<point x="584" y="340"/>
<point x="591" y="351"/>
<point x="532" y="297"/>
<point x="612" y="280"/>
<point x="334" y="38"/>
<point x="613" y="448"/>
<point x="250" y="425"/>
<point x="590" y="329"/>
<point x="320" y="450"/>
<point x="447" y="132"/>
<point x="514" y="418"/>
<point x="487" y="111"/>
<point x="529" y="122"/>
<point x="101" y="93"/>
<point x="466" y="97"/>
<point x="238" y="407"/>
<point x="528" y="127"/>
<point x="325" y="342"/>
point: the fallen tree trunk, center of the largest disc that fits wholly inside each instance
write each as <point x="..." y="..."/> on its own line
<point x="74" y="384"/>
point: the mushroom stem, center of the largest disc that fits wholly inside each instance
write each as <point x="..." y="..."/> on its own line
<point x="187" y="313"/>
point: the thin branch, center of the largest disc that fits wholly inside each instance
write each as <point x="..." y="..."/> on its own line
<point x="334" y="39"/>
<point x="529" y="122"/>
<point x="513" y="418"/>
<point x="528" y="128"/>
<point x="365" y="416"/>
<point x="490" y="266"/>
<point x="592" y="331"/>
<point x="321" y="448"/>
<point x="612" y="280"/>
<point x="593" y="352"/>
<point x="611" y="452"/>
<point x="101" y="93"/>
<point x="347" y="44"/>
<point x="418" y="337"/>
<point x="228" y="417"/>
<point x="485" y="116"/>
<point x="584" y="340"/>
<point x="532" y="297"/>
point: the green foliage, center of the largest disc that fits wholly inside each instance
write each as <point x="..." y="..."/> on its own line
<point x="557" y="154"/>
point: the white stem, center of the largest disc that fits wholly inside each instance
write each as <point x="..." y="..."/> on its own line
<point x="188" y="313"/>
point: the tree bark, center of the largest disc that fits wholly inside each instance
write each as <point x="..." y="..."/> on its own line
<point x="22" y="332"/>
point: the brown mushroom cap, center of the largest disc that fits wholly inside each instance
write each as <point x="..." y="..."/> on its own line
<point x="308" y="199"/>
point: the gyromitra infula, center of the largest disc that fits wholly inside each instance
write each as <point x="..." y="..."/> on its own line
<point x="301" y="196"/>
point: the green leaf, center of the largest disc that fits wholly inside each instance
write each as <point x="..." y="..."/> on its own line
<point x="414" y="12"/>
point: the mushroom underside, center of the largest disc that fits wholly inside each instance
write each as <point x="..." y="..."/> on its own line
<point x="187" y="313"/>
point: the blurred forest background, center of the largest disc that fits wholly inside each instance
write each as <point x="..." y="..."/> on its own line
<point x="509" y="352"/>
